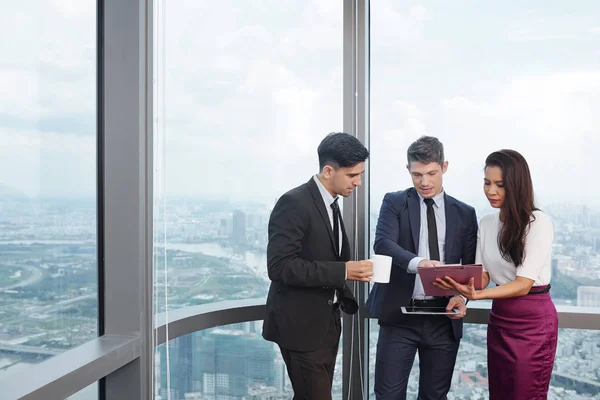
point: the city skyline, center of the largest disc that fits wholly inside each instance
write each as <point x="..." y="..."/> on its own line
<point x="214" y="250"/>
<point x="243" y="93"/>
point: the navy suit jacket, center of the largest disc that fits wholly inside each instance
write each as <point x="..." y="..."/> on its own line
<point x="397" y="235"/>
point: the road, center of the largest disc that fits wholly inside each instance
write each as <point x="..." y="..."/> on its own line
<point x="36" y="275"/>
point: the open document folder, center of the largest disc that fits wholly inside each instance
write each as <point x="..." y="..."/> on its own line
<point x="460" y="273"/>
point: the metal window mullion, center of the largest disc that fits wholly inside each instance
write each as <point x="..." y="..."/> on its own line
<point x="355" y="98"/>
<point x="127" y="179"/>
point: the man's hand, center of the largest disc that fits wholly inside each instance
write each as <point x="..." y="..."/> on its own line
<point x="359" y="270"/>
<point x="458" y="303"/>
<point x="428" y="263"/>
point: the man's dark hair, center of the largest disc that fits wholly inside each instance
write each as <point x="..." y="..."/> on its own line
<point x="426" y="149"/>
<point x="341" y="150"/>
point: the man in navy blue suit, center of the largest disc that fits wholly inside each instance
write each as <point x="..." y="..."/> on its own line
<point x="420" y="227"/>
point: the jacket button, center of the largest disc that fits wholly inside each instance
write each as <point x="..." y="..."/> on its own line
<point x="330" y="302"/>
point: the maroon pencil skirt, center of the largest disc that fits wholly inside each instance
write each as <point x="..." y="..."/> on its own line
<point x="521" y="346"/>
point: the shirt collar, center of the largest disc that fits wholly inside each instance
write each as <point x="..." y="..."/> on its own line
<point x="438" y="199"/>
<point x="327" y="197"/>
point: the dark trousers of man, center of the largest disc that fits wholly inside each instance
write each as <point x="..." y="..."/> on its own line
<point x="432" y="337"/>
<point x="311" y="373"/>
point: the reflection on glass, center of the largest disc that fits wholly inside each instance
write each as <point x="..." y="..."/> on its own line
<point x="48" y="268"/>
<point x="229" y="362"/>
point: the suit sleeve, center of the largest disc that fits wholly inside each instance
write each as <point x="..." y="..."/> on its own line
<point x="288" y="226"/>
<point x="470" y="245"/>
<point x="387" y="233"/>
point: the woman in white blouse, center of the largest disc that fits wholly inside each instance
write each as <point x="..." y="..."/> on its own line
<point x="515" y="248"/>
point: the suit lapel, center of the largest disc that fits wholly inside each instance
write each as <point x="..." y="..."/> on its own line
<point x="320" y="204"/>
<point x="414" y="217"/>
<point x="451" y="220"/>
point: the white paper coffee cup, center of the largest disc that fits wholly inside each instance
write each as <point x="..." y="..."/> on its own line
<point x="382" y="268"/>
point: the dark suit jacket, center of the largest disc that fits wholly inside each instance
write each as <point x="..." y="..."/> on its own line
<point x="397" y="235"/>
<point x="305" y="271"/>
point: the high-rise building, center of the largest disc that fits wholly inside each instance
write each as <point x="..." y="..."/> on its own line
<point x="588" y="296"/>
<point x="225" y="228"/>
<point x="233" y="361"/>
<point x="183" y="366"/>
<point x="554" y="267"/>
<point x="238" y="234"/>
<point x="596" y="244"/>
<point x="183" y="371"/>
<point x="583" y="260"/>
<point x="281" y="379"/>
<point x="168" y="357"/>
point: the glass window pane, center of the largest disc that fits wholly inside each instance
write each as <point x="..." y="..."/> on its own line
<point x="249" y="93"/>
<point x="482" y="77"/>
<point x="229" y="362"/>
<point x="245" y="94"/>
<point x="48" y="268"/>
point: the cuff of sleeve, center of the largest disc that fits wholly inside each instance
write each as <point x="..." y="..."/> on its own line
<point x="412" y="265"/>
<point x="464" y="299"/>
<point x="526" y="276"/>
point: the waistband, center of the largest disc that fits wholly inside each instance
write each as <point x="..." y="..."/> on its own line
<point x="539" y="289"/>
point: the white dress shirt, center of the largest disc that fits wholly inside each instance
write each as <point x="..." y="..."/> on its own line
<point x="537" y="264"/>
<point x="439" y="209"/>
<point x="328" y="199"/>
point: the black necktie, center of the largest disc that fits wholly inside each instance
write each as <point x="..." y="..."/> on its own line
<point x="434" y="250"/>
<point x="336" y="225"/>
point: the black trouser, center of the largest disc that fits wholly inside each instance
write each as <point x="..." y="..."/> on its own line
<point x="433" y="338"/>
<point x="311" y="373"/>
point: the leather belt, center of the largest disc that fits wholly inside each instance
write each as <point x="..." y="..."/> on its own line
<point x="437" y="302"/>
<point x="540" y="289"/>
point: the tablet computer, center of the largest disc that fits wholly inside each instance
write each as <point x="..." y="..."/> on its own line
<point x="428" y="310"/>
<point x="460" y="273"/>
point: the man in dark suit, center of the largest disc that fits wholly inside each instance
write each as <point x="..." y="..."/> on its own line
<point x="308" y="263"/>
<point x="419" y="227"/>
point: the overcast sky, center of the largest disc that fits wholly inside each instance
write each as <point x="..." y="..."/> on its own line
<point x="251" y="87"/>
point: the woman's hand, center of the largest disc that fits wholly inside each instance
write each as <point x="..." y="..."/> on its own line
<point x="467" y="290"/>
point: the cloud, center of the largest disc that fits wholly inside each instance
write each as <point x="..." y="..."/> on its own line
<point x="549" y="118"/>
<point x="250" y="89"/>
<point x="401" y="32"/>
<point x="536" y="99"/>
<point x="259" y="91"/>
<point x="48" y="110"/>
<point x="48" y="163"/>
<point x="49" y="68"/>
<point x="536" y="26"/>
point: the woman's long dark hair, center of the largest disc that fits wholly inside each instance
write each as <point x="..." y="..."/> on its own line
<point x="517" y="209"/>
